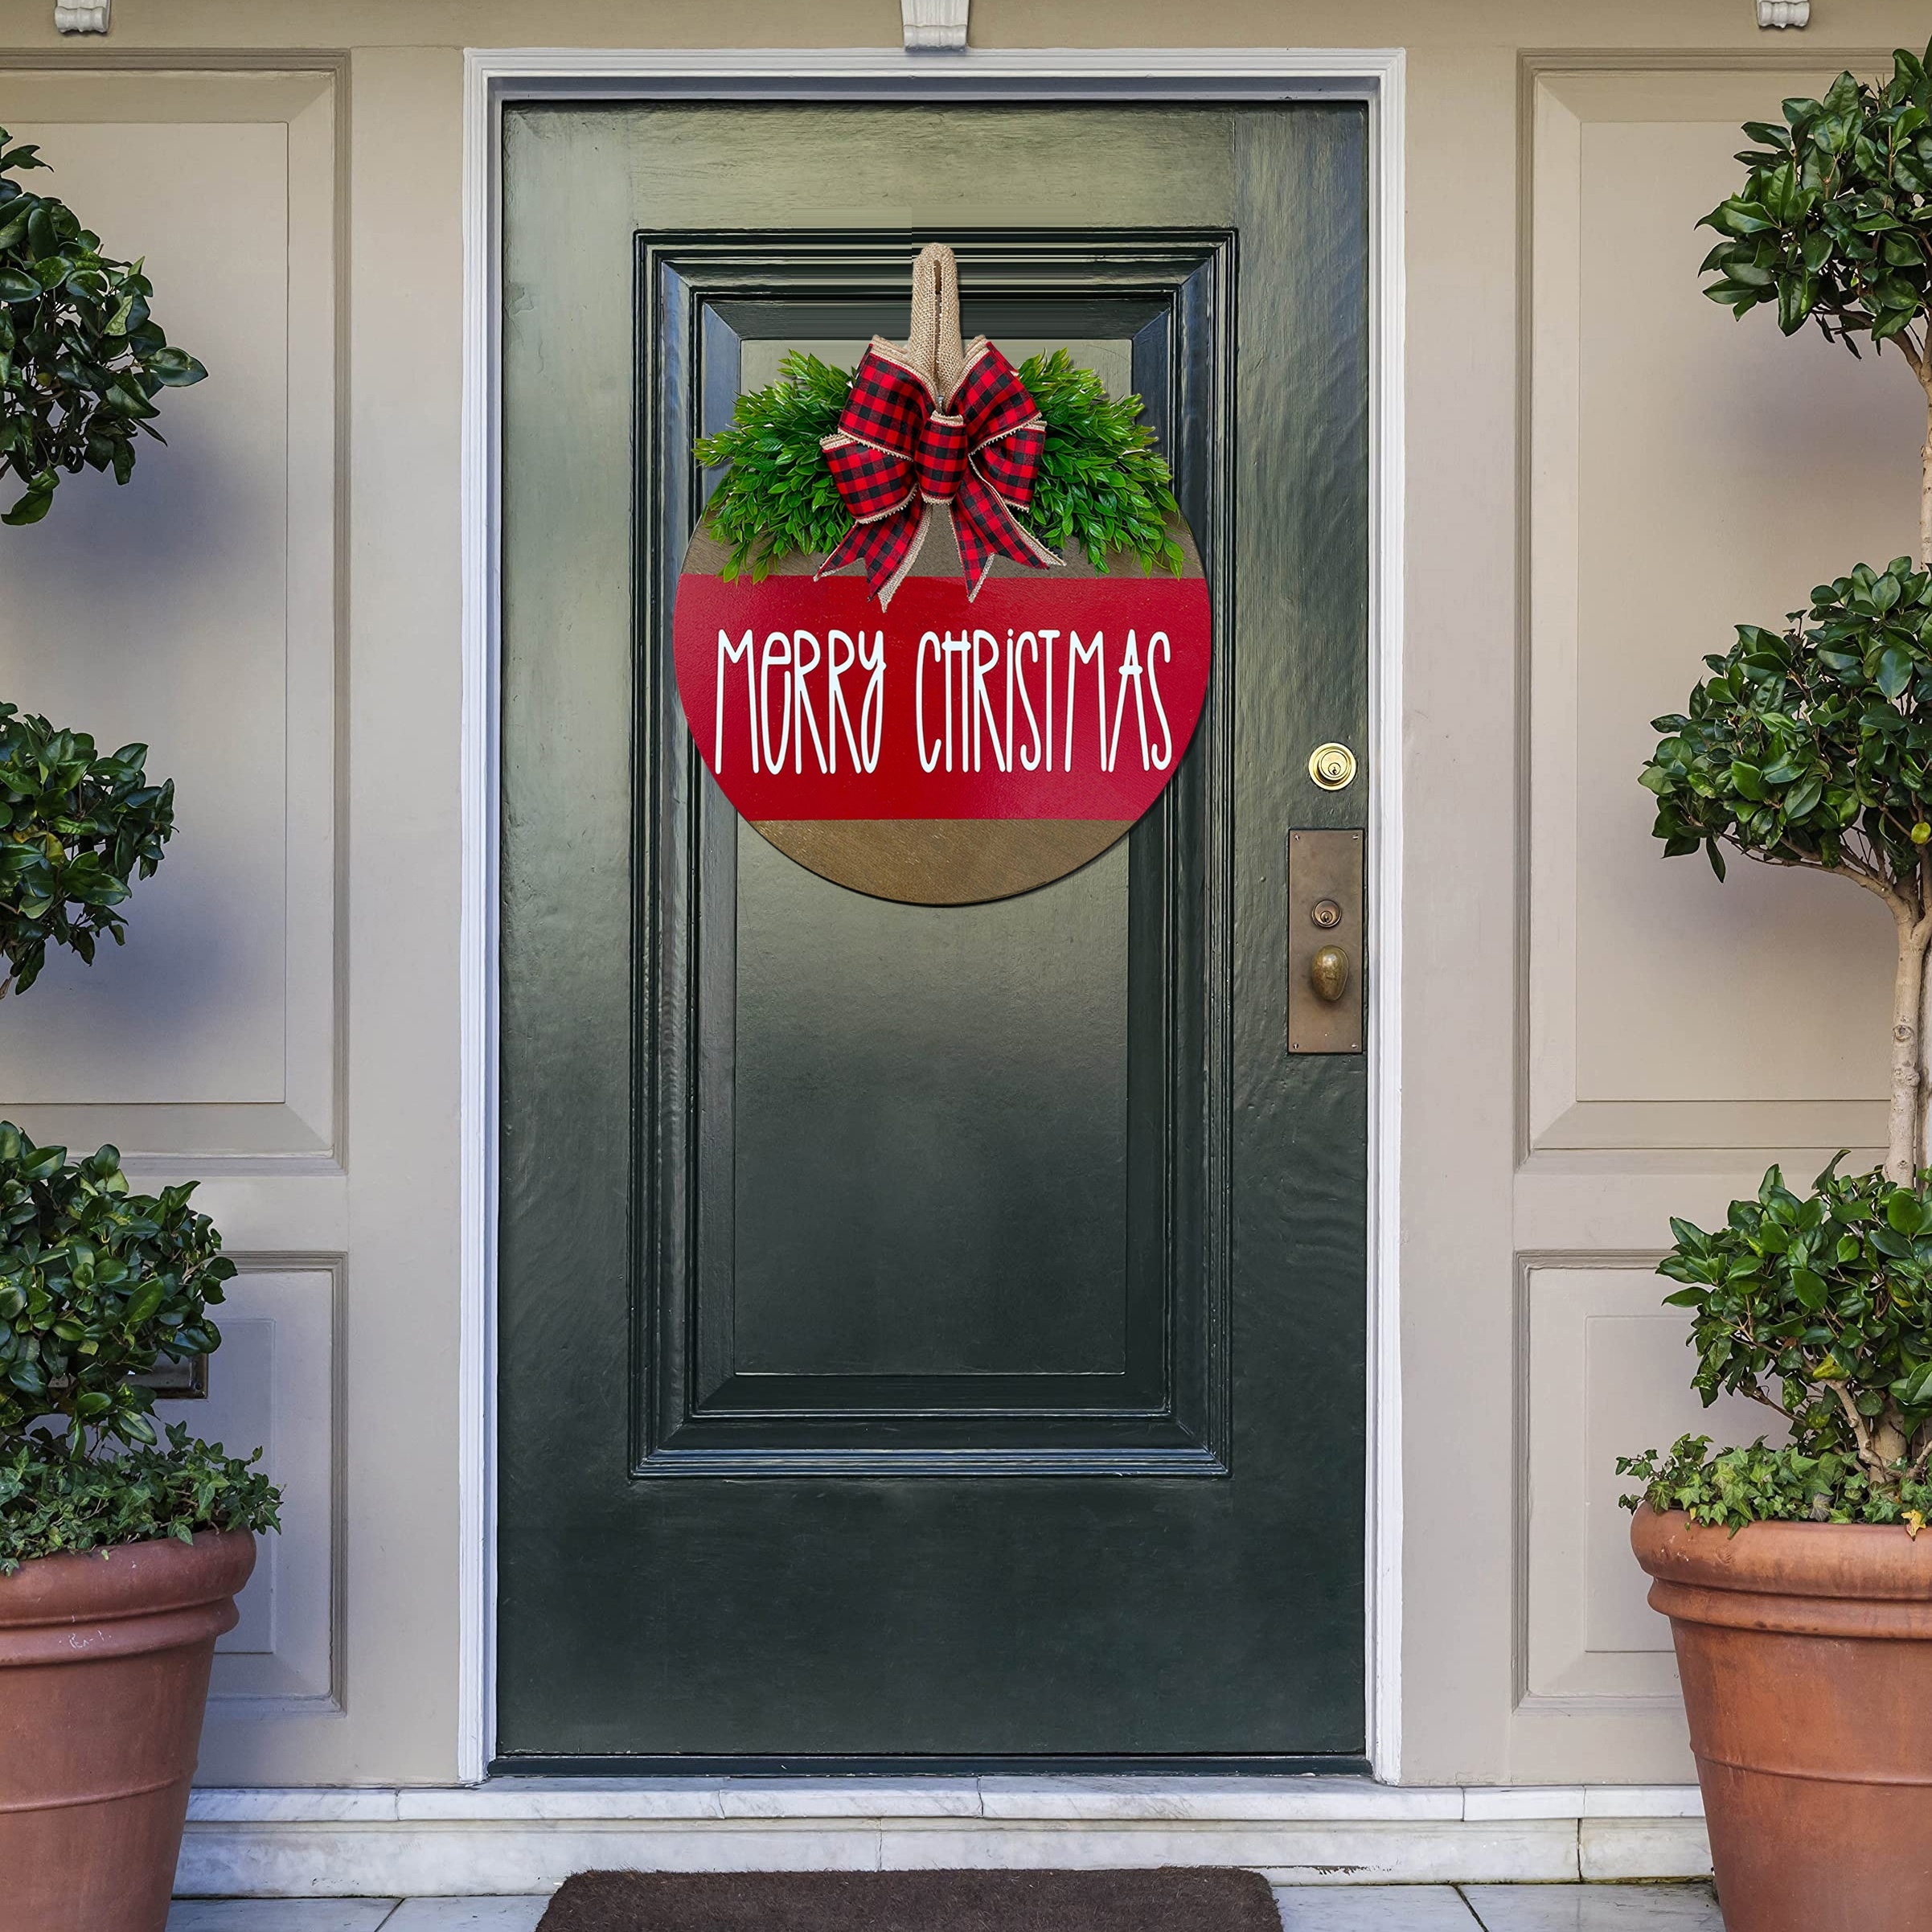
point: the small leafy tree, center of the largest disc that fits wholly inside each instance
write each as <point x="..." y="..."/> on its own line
<point x="81" y="358"/>
<point x="98" y="1285"/>
<point x="76" y="828"/>
<point x="1811" y="746"/>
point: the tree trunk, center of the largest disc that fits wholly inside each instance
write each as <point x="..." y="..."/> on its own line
<point x="1921" y="367"/>
<point x="1904" y="1137"/>
<point x="1925" y="477"/>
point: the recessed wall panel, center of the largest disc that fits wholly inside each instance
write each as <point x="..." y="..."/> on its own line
<point x="194" y="610"/>
<point x="1689" y="473"/>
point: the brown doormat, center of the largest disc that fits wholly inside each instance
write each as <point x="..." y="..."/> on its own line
<point x="1175" y="1900"/>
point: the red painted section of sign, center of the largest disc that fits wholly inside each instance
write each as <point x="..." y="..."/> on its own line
<point x="1045" y="697"/>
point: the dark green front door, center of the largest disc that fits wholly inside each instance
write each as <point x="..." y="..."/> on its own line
<point x="926" y="1334"/>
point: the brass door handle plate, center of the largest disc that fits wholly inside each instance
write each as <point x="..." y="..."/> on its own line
<point x="1327" y="942"/>
<point x="1328" y="973"/>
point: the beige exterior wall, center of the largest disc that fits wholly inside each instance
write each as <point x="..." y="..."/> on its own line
<point x="1603" y="475"/>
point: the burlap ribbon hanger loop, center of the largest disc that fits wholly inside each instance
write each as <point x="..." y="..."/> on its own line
<point x="933" y="347"/>
<point x="935" y="425"/>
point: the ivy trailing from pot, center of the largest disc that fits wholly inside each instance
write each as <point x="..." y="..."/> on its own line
<point x="942" y="635"/>
<point x="81" y="357"/>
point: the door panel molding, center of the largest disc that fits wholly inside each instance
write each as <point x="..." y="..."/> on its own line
<point x="696" y="1409"/>
<point x="494" y="77"/>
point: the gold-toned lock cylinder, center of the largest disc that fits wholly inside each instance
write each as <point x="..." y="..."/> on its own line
<point x="1331" y="766"/>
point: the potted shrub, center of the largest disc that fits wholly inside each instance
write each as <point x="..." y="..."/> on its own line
<point x="1799" y="1586"/>
<point x="120" y="1553"/>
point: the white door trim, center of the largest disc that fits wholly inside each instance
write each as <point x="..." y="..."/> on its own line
<point x="495" y="76"/>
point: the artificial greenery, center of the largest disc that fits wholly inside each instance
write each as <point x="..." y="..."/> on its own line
<point x="52" y="1501"/>
<point x="1812" y="746"/>
<point x="777" y="497"/>
<point x="1101" y="482"/>
<point x="75" y="830"/>
<point x="1762" y="1484"/>
<point x="97" y="1286"/>
<point x="81" y="358"/>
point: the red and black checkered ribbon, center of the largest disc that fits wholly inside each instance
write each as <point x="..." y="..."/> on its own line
<point x="896" y="452"/>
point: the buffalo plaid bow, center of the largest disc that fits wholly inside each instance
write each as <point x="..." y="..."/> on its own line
<point x="894" y="454"/>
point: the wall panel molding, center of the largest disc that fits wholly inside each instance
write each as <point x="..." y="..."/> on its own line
<point x="214" y="1036"/>
<point x="1641" y="981"/>
<point x="278" y="1384"/>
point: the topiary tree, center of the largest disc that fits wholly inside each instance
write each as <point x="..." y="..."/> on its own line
<point x="81" y="358"/>
<point x="1811" y="746"/>
<point x="98" y="1285"/>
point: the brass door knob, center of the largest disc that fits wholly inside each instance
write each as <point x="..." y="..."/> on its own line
<point x="1328" y="972"/>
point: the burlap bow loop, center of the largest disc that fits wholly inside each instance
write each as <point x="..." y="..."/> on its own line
<point x="936" y="424"/>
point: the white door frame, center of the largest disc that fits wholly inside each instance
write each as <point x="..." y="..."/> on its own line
<point x="495" y="76"/>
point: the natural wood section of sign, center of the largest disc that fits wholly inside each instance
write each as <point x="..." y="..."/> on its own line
<point x="941" y="861"/>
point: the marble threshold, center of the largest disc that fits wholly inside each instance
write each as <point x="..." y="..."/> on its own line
<point x="526" y="1835"/>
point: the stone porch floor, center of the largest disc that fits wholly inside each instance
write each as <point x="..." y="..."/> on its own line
<point x="1626" y="1908"/>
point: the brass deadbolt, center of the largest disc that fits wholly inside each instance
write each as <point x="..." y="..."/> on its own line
<point x="1331" y="766"/>
<point x="1326" y="914"/>
<point x="1328" y="973"/>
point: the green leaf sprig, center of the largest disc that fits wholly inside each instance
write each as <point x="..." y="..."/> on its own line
<point x="81" y="357"/>
<point x="1101" y="483"/>
<point x="75" y="830"/>
<point x="777" y="497"/>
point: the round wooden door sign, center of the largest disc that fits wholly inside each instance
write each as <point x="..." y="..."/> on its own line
<point x="941" y="710"/>
<point x="944" y="749"/>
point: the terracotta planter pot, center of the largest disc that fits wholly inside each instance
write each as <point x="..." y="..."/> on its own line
<point x="104" y="1673"/>
<point x="1805" y="1653"/>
